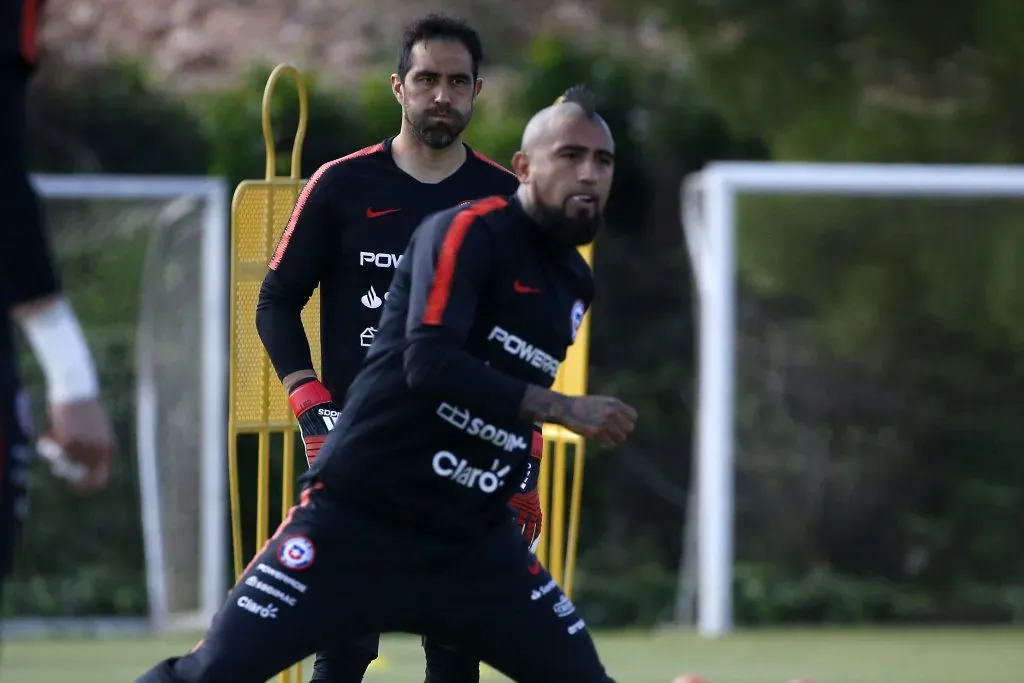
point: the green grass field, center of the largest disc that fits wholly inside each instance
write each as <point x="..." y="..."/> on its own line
<point x="824" y="656"/>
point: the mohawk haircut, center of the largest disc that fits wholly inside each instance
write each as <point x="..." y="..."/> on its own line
<point x="439" y="26"/>
<point x="582" y="97"/>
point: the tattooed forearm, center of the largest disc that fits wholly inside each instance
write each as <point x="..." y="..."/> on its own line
<point x="605" y="419"/>
<point x="542" y="405"/>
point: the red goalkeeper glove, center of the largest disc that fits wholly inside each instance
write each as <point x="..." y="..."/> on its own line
<point x="315" y="411"/>
<point x="526" y="503"/>
<point x="528" y="516"/>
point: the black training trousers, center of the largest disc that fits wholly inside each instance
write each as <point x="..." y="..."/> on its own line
<point x="333" y="574"/>
<point x="348" y="662"/>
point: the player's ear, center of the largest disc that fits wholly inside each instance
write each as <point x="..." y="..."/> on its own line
<point x="521" y="165"/>
<point x="478" y="87"/>
<point x="396" y="87"/>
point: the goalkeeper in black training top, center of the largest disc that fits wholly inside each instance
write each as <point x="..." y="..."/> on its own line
<point x="347" y="235"/>
<point x="403" y="526"/>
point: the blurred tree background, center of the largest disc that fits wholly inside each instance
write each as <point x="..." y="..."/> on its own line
<point x="880" y="381"/>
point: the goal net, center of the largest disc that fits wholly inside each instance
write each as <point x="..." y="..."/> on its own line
<point x="856" y="328"/>
<point x="144" y="261"/>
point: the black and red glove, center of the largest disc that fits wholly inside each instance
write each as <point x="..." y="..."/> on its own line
<point x="315" y="411"/>
<point x="525" y="503"/>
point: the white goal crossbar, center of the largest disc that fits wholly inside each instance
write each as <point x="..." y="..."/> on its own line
<point x="213" y="391"/>
<point x="709" y="225"/>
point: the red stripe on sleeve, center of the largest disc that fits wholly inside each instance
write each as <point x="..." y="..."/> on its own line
<point x="282" y="245"/>
<point x="441" y="287"/>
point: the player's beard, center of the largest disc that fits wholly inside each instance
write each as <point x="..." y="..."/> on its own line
<point x="569" y="231"/>
<point x="438" y="134"/>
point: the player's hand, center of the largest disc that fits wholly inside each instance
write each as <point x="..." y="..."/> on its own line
<point x="316" y="413"/>
<point x="603" y="419"/>
<point x="80" y="439"/>
<point x="528" y="516"/>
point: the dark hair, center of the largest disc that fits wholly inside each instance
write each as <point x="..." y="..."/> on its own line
<point x="582" y="97"/>
<point x="442" y="27"/>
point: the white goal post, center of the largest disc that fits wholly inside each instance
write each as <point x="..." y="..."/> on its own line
<point x="709" y="221"/>
<point x="211" y="196"/>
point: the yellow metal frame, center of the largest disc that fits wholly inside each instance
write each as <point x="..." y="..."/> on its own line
<point x="562" y="517"/>
<point x="258" y="406"/>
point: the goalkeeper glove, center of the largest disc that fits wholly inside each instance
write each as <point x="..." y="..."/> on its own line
<point x="526" y="503"/>
<point x="528" y="517"/>
<point x="315" y="411"/>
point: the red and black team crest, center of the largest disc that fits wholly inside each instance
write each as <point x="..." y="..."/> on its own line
<point x="296" y="552"/>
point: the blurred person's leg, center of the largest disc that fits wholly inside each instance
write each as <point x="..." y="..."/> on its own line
<point x="14" y="462"/>
<point x="14" y="450"/>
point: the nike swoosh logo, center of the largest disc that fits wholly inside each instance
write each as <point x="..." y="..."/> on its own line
<point x="370" y="213"/>
<point x="523" y="289"/>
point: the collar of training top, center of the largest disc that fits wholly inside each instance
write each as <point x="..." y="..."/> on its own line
<point x="388" y="141"/>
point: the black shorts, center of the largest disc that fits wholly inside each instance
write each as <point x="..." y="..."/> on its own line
<point x="14" y="463"/>
<point x="332" y="574"/>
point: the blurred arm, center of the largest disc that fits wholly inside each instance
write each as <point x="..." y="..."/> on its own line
<point x="32" y="295"/>
<point x="28" y="278"/>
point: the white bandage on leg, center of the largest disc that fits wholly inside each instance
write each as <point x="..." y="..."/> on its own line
<point x="57" y="340"/>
